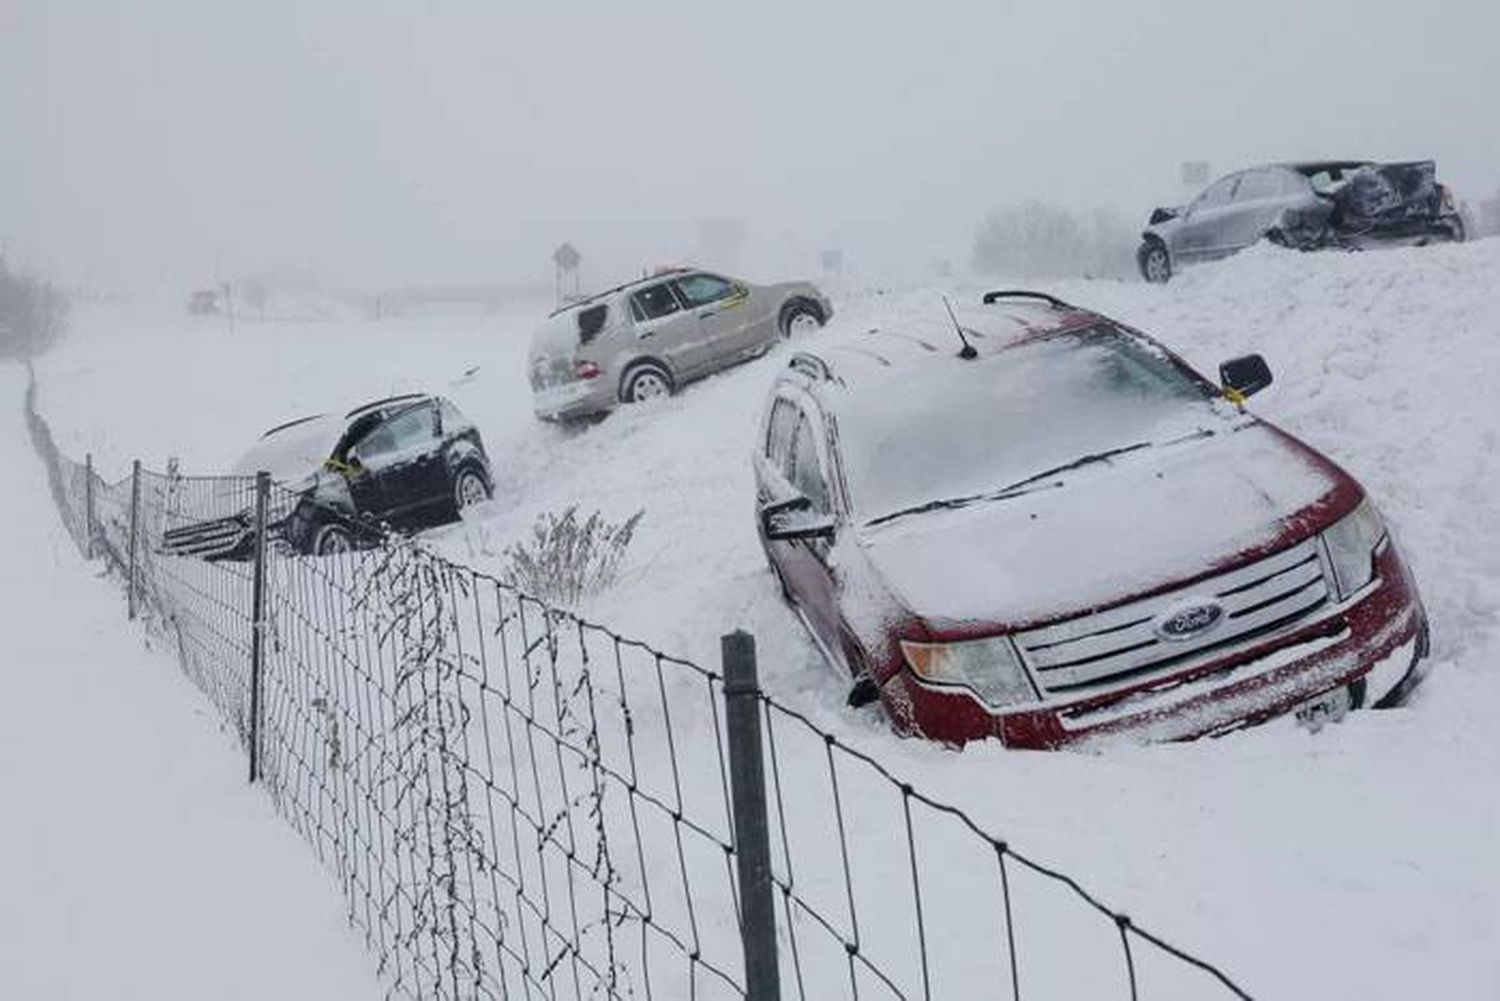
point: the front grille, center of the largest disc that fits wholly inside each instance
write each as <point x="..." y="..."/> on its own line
<point x="205" y="539"/>
<point x="1105" y="648"/>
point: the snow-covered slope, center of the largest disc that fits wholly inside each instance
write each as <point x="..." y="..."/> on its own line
<point x="135" y="862"/>
<point x="1350" y="863"/>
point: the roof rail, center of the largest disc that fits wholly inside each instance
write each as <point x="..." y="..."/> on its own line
<point x="990" y="298"/>
<point x="377" y="404"/>
<point x="596" y="296"/>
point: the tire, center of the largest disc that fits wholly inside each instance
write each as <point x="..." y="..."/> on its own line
<point x="470" y="487"/>
<point x="798" y="319"/>
<point x="1456" y="228"/>
<point x="330" y="538"/>
<point x="1154" y="261"/>
<point x="644" y="382"/>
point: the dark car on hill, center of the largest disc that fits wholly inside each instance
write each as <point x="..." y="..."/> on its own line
<point x="1063" y="532"/>
<point x="408" y="462"/>
<point x="1331" y="203"/>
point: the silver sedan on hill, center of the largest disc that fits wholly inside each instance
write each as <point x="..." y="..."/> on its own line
<point x="648" y="338"/>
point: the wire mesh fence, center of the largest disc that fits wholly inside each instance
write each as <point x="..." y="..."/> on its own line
<point x="518" y="803"/>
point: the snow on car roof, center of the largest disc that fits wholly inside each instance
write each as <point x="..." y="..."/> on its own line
<point x="596" y="296"/>
<point x="934" y="342"/>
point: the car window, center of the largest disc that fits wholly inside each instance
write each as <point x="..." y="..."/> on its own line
<point x="1221" y="192"/>
<point x="654" y="302"/>
<point x="1292" y="183"/>
<point x="408" y="430"/>
<point x="779" y="432"/>
<point x="1044" y="404"/>
<point x="591" y="321"/>
<point x="453" y="418"/>
<point x="1257" y="184"/>
<point x="806" y="471"/>
<point x="700" y="290"/>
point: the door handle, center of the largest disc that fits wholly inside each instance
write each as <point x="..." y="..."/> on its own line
<point x="647" y="333"/>
<point x="705" y="315"/>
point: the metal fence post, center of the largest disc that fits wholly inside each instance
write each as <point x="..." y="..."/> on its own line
<point x="135" y="517"/>
<point x="88" y="505"/>
<point x="752" y="833"/>
<point x="258" y="616"/>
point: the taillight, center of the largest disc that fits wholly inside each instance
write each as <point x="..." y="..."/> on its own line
<point x="1447" y="195"/>
<point x="585" y="369"/>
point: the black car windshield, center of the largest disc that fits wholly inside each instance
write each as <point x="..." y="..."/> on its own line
<point x="972" y="430"/>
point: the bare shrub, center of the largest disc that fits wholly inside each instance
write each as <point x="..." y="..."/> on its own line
<point x="569" y="558"/>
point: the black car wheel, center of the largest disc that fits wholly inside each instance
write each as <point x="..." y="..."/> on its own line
<point x="470" y="488"/>
<point x="798" y="319"/>
<point x="1155" y="262"/>
<point x="646" y="382"/>
<point x="329" y="538"/>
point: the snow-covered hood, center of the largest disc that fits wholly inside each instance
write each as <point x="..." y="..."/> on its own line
<point x="1109" y="532"/>
<point x="293" y="452"/>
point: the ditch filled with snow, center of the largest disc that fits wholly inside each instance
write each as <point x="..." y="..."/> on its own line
<point x="1350" y="863"/>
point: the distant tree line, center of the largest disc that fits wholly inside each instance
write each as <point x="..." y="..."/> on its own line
<point x="1036" y="240"/>
<point x="32" y="314"/>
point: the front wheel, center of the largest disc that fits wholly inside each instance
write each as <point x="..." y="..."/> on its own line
<point x="331" y="538"/>
<point x="1155" y="262"/>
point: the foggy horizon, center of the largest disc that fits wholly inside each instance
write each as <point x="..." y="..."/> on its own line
<point x="159" y="145"/>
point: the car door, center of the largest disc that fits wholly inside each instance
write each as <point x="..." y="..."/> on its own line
<point x="400" y="469"/>
<point x="807" y="566"/>
<point x="1259" y="200"/>
<point x="720" y="306"/>
<point x="667" y="330"/>
<point x="1202" y="230"/>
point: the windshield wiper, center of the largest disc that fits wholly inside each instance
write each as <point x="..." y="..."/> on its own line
<point x="1025" y="486"/>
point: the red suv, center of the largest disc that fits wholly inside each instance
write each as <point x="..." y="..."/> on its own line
<point x="1028" y="521"/>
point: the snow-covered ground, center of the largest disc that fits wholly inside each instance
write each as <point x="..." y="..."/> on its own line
<point x="135" y="862"/>
<point x="1351" y="863"/>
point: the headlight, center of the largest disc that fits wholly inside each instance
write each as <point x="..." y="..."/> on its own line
<point x="1351" y="546"/>
<point x="990" y="668"/>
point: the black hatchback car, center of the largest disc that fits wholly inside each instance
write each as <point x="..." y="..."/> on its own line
<point x="407" y="462"/>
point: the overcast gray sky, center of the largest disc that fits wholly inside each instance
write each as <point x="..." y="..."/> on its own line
<point x="372" y="142"/>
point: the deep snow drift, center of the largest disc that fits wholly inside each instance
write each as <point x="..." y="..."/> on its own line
<point x="1346" y="864"/>
<point x="134" y="860"/>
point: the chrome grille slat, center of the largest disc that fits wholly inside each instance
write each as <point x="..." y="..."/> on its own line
<point x="1095" y="649"/>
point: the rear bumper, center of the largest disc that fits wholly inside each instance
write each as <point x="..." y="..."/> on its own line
<point x="574" y="399"/>
<point x="1372" y="642"/>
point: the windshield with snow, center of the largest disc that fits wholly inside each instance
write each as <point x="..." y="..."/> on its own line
<point x="1015" y="421"/>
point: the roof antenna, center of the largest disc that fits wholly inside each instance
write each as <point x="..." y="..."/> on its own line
<point x="967" y="353"/>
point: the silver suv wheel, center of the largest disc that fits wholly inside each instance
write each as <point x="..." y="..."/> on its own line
<point x="646" y="383"/>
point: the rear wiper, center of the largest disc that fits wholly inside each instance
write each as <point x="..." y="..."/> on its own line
<point x="1020" y="487"/>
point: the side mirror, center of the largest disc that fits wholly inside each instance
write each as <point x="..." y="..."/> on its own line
<point x="1244" y="377"/>
<point x="793" y="519"/>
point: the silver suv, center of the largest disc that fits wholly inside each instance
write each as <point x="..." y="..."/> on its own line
<point x="649" y="337"/>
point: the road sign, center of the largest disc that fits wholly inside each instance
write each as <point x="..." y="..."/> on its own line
<point x="566" y="257"/>
<point x="1195" y="172"/>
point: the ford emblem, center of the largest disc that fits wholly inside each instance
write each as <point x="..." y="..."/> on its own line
<point x="1188" y="619"/>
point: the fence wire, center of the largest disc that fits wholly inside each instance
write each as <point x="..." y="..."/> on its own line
<point x="519" y="804"/>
